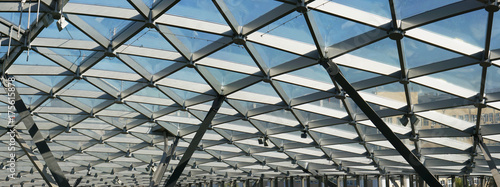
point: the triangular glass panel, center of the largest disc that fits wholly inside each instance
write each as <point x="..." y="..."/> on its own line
<point x="68" y="117"/>
<point x="119" y="3"/>
<point x="378" y="7"/>
<point x="188" y="74"/>
<point x="49" y="80"/>
<point x="225" y="77"/>
<point x="354" y="75"/>
<point x="150" y="38"/>
<point x="121" y="85"/>
<point x="394" y="91"/>
<point x="185" y="95"/>
<point x="418" y="53"/>
<point x="261" y="88"/>
<point x="335" y="30"/>
<point x="112" y="64"/>
<point x="91" y="102"/>
<point x="428" y="95"/>
<point x="294" y="91"/>
<point x="120" y="107"/>
<point x="495" y="32"/>
<point x="250" y="105"/>
<point x="35" y="59"/>
<point x="282" y="117"/>
<point x="309" y="116"/>
<point x="70" y="32"/>
<point x="201" y="10"/>
<point x="384" y="51"/>
<point x="152" y="65"/>
<point x="273" y="57"/>
<point x="149" y="3"/>
<point x="72" y="55"/>
<point x="194" y="40"/>
<point x="469" y="27"/>
<point x="233" y="53"/>
<point x="56" y="103"/>
<point x="407" y="9"/>
<point x="246" y="11"/>
<point x="13" y="17"/>
<point x="292" y="26"/>
<point x="492" y="78"/>
<point x="29" y="99"/>
<point x="153" y="108"/>
<point x="151" y="92"/>
<point x="108" y="27"/>
<point x="468" y="77"/>
<point x="80" y="85"/>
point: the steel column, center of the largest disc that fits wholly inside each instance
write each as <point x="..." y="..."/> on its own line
<point x="336" y="76"/>
<point x="489" y="159"/>
<point x="37" y="136"/>
<point x="345" y="181"/>
<point x="165" y="160"/>
<point x="34" y="160"/>
<point x="195" y="141"/>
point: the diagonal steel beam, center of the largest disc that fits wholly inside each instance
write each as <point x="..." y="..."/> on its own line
<point x="488" y="158"/>
<point x="336" y="76"/>
<point x="34" y="160"/>
<point x="165" y="160"/>
<point x="195" y="141"/>
<point x="37" y="136"/>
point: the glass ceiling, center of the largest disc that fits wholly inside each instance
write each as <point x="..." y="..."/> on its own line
<point x="119" y="75"/>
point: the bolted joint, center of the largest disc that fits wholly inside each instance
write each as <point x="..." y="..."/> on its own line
<point x="301" y="7"/>
<point x="492" y="6"/>
<point x="485" y="63"/>
<point x="239" y="39"/>
<point x="480" y="103"/>
<point x="190" y="64"/>
<point x="414" y="137"/>
<point x="330" y="66"/>
<point x="267" y="79"/>
<point x="404" y="80"/>
<point x="340" y="95"/>
<point x="396" y="34"/>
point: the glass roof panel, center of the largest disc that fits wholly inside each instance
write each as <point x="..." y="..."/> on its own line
<point x="70" y="32"/>
<point x="353" y="75"/>
<point x="201" y="10"/>
<point x="273" y="57"/>
<point x="225" y="77"/>
<point x="14" y="18"/>
<point x="428" y="95"/>
<point x="468" y="77"/>
<point x="152" y="65"/>
<point x="246" y="11"/>
<point x="410" y="8"/>
<point x="34" y="59"/>
<point x="115" y="3"/>
<point x="335" y="30"/>
<point x="469" y="27"/>
<point x="383" y="51"/>
<point x="75" y="56"/>
<point x="418" y="53"/>
<point x="378" y="7"/>
<point x="187" y="74"/>
<point x="112" y="64"/>
<point x="292" y="26"/>
<point x="194" y="40"/>
<point x="150" y="38"/>
<point x="108" y="27"/>
<point x="492" y="77"/>
<point x="234" y="53"/>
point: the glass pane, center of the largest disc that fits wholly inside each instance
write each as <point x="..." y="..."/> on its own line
<point x="200" y="9"/>
<point x="468" y="77"/>
<point x="335" y="30"/>
<point x="225" y="77"/>
<point x="384" y="51"/>
<point x="187" y="74"/>
<point x="294" y="91"/>
<point x="273" y="57"/>
<point x="408" y="8"/>
<point x="292" y="26"/>
<point x="108" y="27"/>
<point x="75" y="56"/>
<point x="14" y="18"/>
<point x="152" y="65"/>
<point x="492" y="77"/>
<point x="35" y="59"/>
<point x="379" y="7"/>
<point x="70" y="32"/>
<point x="194" y="40"/>
<point x="115" y="3"/>
<point x="234" y="53"/>
<point x="112" y="64"/>
<point x="354" y="75"/>
<point x="247" y="10"/>
<point x="150" y="38"/>
<point x="469" y="27"/>
<point x="418" y="53"/>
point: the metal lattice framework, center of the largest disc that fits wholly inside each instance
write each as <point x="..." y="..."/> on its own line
<point x="105" y="89"/>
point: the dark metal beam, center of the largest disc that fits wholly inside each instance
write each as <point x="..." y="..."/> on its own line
<point x="488" y="158"/>
<point x="336" y="76"/>
<point x="165" y="160"/>
<point x="36" y="135"/>
<point x="34" y="160"/>
<point x="195" y="141"/>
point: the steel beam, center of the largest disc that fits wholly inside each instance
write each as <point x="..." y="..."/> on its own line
<point x="37" y="136"/>
<point x="195" y="141"/>
<point x="336" y="76"/>
<point x="488" y="158"/>
<point x="165" y="160"/>
<point x="34" y="160"/>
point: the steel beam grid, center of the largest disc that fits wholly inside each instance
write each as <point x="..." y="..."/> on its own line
<point x="259" y="118"/>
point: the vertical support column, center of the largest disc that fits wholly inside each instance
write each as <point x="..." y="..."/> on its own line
<point x="345" y="181"/>
<point x="195" y="141"/>
<point x="411" y="180"/>
<point x="402" y="181"/>
<point x="35" y="133"/>
<point x="275" y="181"/>
<point x="387" y="181"/>
<point x="292" y="182"/>
<point x="222" y="184"/>
<point x="453" y="180"/>
<point x="287" y="182"/>
<point x="165" y="160"/>
<point x="308" y="181"/>
<point x="379" y="181"/>
<point x="211" y="183"/>
<point x="365" y="181"/>
<point x="357" y="181"/>
<point x="262" y="181"/>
